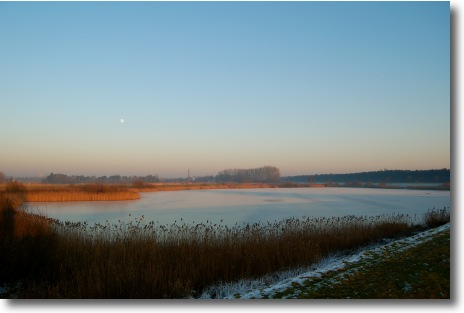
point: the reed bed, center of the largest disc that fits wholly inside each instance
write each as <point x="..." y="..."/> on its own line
<point x="144" y="259"/>
<point x="148" y="260"/>
<point x="434" y="218"/>
<point x="110" y="192"/>
<point x="27" y="243"/>
<point x="63" y="196"/>
<point x="63" y="193"/>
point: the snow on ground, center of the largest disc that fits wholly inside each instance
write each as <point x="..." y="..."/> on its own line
<point x="281" y="281"/>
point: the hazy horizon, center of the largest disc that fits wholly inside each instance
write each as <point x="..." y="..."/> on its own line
<point x="138" y="88"/>
<point x="191" y="174"/>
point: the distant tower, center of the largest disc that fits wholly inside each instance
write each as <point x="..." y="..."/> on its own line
<point x="188" y="176"/>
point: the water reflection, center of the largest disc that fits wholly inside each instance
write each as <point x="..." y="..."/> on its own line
<point x="229" y="207"/>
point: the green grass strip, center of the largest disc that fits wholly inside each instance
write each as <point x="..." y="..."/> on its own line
<point x="420" y="272"/>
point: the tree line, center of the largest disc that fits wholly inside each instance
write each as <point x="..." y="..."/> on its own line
<point x="265" y="174"/>
<point x="385" y="176"/>
<point x="114" y="179"/>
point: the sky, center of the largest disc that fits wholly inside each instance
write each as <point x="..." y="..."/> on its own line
<point x="103" y="88"/>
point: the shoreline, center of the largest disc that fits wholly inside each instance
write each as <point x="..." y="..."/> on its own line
<point x="100" y="192"/>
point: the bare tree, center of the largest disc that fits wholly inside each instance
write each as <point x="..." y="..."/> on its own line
<point x="265" y="174"/>
<point x="2" y="177"/>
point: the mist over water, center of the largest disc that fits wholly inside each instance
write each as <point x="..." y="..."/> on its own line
<point x="230" y="207"/>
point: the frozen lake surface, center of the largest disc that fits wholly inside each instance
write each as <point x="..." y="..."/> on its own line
<point x="232" y="206"/>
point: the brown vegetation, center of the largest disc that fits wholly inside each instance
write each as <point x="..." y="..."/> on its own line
<point x="27" y="243"/>
<point x="434" y="218"/>
<point x="62" y="193"/>
<point x="109" y="192"/>
<point x="80" y="196"/>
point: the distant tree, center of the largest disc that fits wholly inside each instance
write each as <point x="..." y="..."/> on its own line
<point x="2" y="177"/>
<point x="114" y="179"/>
<point x="56" y="179"/>
<point x="382" y="176"/>
<point x="139" y="183"/>
<point x="265" y="174"/>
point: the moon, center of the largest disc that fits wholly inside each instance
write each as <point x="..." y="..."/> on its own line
<point x="121" y="120"/>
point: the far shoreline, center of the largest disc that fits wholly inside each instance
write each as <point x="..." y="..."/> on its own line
<point x="154" y="187"/>
<point x="41" y="192"/>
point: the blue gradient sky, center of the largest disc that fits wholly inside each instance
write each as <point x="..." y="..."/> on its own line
<point x="308" y="87"/>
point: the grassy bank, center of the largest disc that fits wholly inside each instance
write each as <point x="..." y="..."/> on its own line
<point x="393" y="272"/>
<point x="142" y="259"/>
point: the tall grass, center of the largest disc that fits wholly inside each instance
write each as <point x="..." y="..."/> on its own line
<point x="144" y="259"/>
<point x="64" y="196"/>
<point x="436" y="217"/>
<point x="62" y="193"/>
<point x="27" y="243"/>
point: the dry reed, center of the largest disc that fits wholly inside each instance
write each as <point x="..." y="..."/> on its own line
<point x="148" y="260"/>
<point x="436" y="217"/>
<point x="63" y="196"/>
<point x="27" y="243"/>
<point x="63" y="193"/>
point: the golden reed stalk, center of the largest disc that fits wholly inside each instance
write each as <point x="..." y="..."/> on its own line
<point x="63" y="196"/>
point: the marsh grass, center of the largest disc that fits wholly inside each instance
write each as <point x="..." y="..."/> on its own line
<point x="144" y="259"/>
<point x="63" y="193"/>
<point x="64" y="196"/>
<point x="108" y="192"/>
<point x="27" y="243"/>
<point x="436" y="217"/>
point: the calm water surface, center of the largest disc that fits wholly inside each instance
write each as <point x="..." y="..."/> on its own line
<point x="249" y="205"/>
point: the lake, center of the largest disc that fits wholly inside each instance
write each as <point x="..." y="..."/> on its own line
<point x="231" y="206"/>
